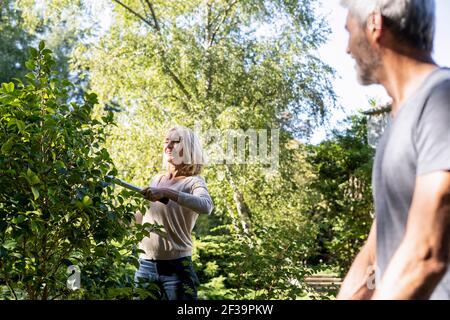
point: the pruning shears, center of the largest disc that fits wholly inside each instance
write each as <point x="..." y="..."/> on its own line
<point x="132" y="187"/>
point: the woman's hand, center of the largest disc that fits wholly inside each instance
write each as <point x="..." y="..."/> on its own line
<point x="153" y="194"/>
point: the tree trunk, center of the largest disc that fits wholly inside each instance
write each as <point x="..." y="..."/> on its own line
<point x="241" y="207"/>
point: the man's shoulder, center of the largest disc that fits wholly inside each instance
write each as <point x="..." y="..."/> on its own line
<point x="442" y="87"/>
<point x="439" y="96"/>
<point x="436" y="97"/>
<point x="441" y="82"/>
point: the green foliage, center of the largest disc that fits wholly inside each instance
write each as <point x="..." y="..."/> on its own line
<point x="267" y="265"/>
<point x="339" y="198"/>
<point x="56" y="209"/>
<point x="207" y="61"/>
<point x="13" y="38"/>
<point x="304" y="221"/>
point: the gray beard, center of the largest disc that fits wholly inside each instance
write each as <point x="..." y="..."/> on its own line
<point x="366" y="76"/>
<point x="366" y="68"/>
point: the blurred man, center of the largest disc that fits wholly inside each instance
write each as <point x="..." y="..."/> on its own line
<point x="408" y="246"/>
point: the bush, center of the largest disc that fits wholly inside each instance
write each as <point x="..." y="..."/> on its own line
<point x="339" y="198"/>
<point x="56" y="209"/>
<point x="269" y="264"/>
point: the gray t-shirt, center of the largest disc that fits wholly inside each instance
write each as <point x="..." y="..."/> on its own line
<point x="415" y="143"/>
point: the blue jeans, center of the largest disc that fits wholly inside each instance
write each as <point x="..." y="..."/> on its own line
<point x="175" y="279"/>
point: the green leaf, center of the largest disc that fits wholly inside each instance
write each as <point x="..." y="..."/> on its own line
<point x="35" y="226"/>
<point x="30" y="76"/>
<point x="67" y="83"/>
<point x="41" y="45"/>
<point x="33" y="179"/>
<point x="34" y="53"/>
<point x="79" y="204"/>
<point x="91" y="98"/>
<point x="8" y="87"/>
<point x="7" y="146"/>
<point x="33" y="213"/>
<point x="30" y="65"/>
<point x="16" y="103"/>
<point x="59" y="164"/>
<point x="35" y="192"/>
<point x="20" y="125"/>
<point x="10" y="244"/>
<point x="3" y="252"/>
<point x="50" y="110"/>
<point x="87" y="201"/>
<point x="12" y="122"/>
<point x="18" y="219"/>
<point x="49" y="123"/>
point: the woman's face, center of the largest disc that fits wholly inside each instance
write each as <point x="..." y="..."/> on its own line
<point x="172" y="148"/>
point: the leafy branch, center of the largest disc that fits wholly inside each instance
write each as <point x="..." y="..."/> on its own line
<point x="156" y="26"/>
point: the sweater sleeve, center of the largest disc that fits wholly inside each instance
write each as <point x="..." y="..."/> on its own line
<point x="198" y="199"/>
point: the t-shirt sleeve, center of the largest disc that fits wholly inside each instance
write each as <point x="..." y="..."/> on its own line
<point x="433" y="132"/>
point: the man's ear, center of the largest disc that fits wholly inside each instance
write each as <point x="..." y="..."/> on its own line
<point x="375" y="21"/>
<point x="374" y="26"/>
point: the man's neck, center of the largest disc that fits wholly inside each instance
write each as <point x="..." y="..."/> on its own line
<point x="403" y="76"/>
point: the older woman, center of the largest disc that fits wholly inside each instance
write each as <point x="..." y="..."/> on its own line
<point x="166" y="260"/>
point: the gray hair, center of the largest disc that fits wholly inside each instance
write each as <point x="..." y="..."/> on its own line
<point x="412" y="21"/>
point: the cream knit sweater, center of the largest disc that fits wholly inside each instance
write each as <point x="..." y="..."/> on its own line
<point x="178" y="219"/>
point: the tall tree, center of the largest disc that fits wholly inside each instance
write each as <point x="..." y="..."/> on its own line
<point x="226" y="64"/>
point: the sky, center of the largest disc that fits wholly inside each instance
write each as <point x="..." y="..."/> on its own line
<point x="351" y="95"/>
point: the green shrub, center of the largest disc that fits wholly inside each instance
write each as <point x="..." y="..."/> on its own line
<point x="56" y="209"/>
<point x="339" y="198"/>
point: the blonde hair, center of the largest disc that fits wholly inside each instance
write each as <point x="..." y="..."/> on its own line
<point x="193" y="158"/>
